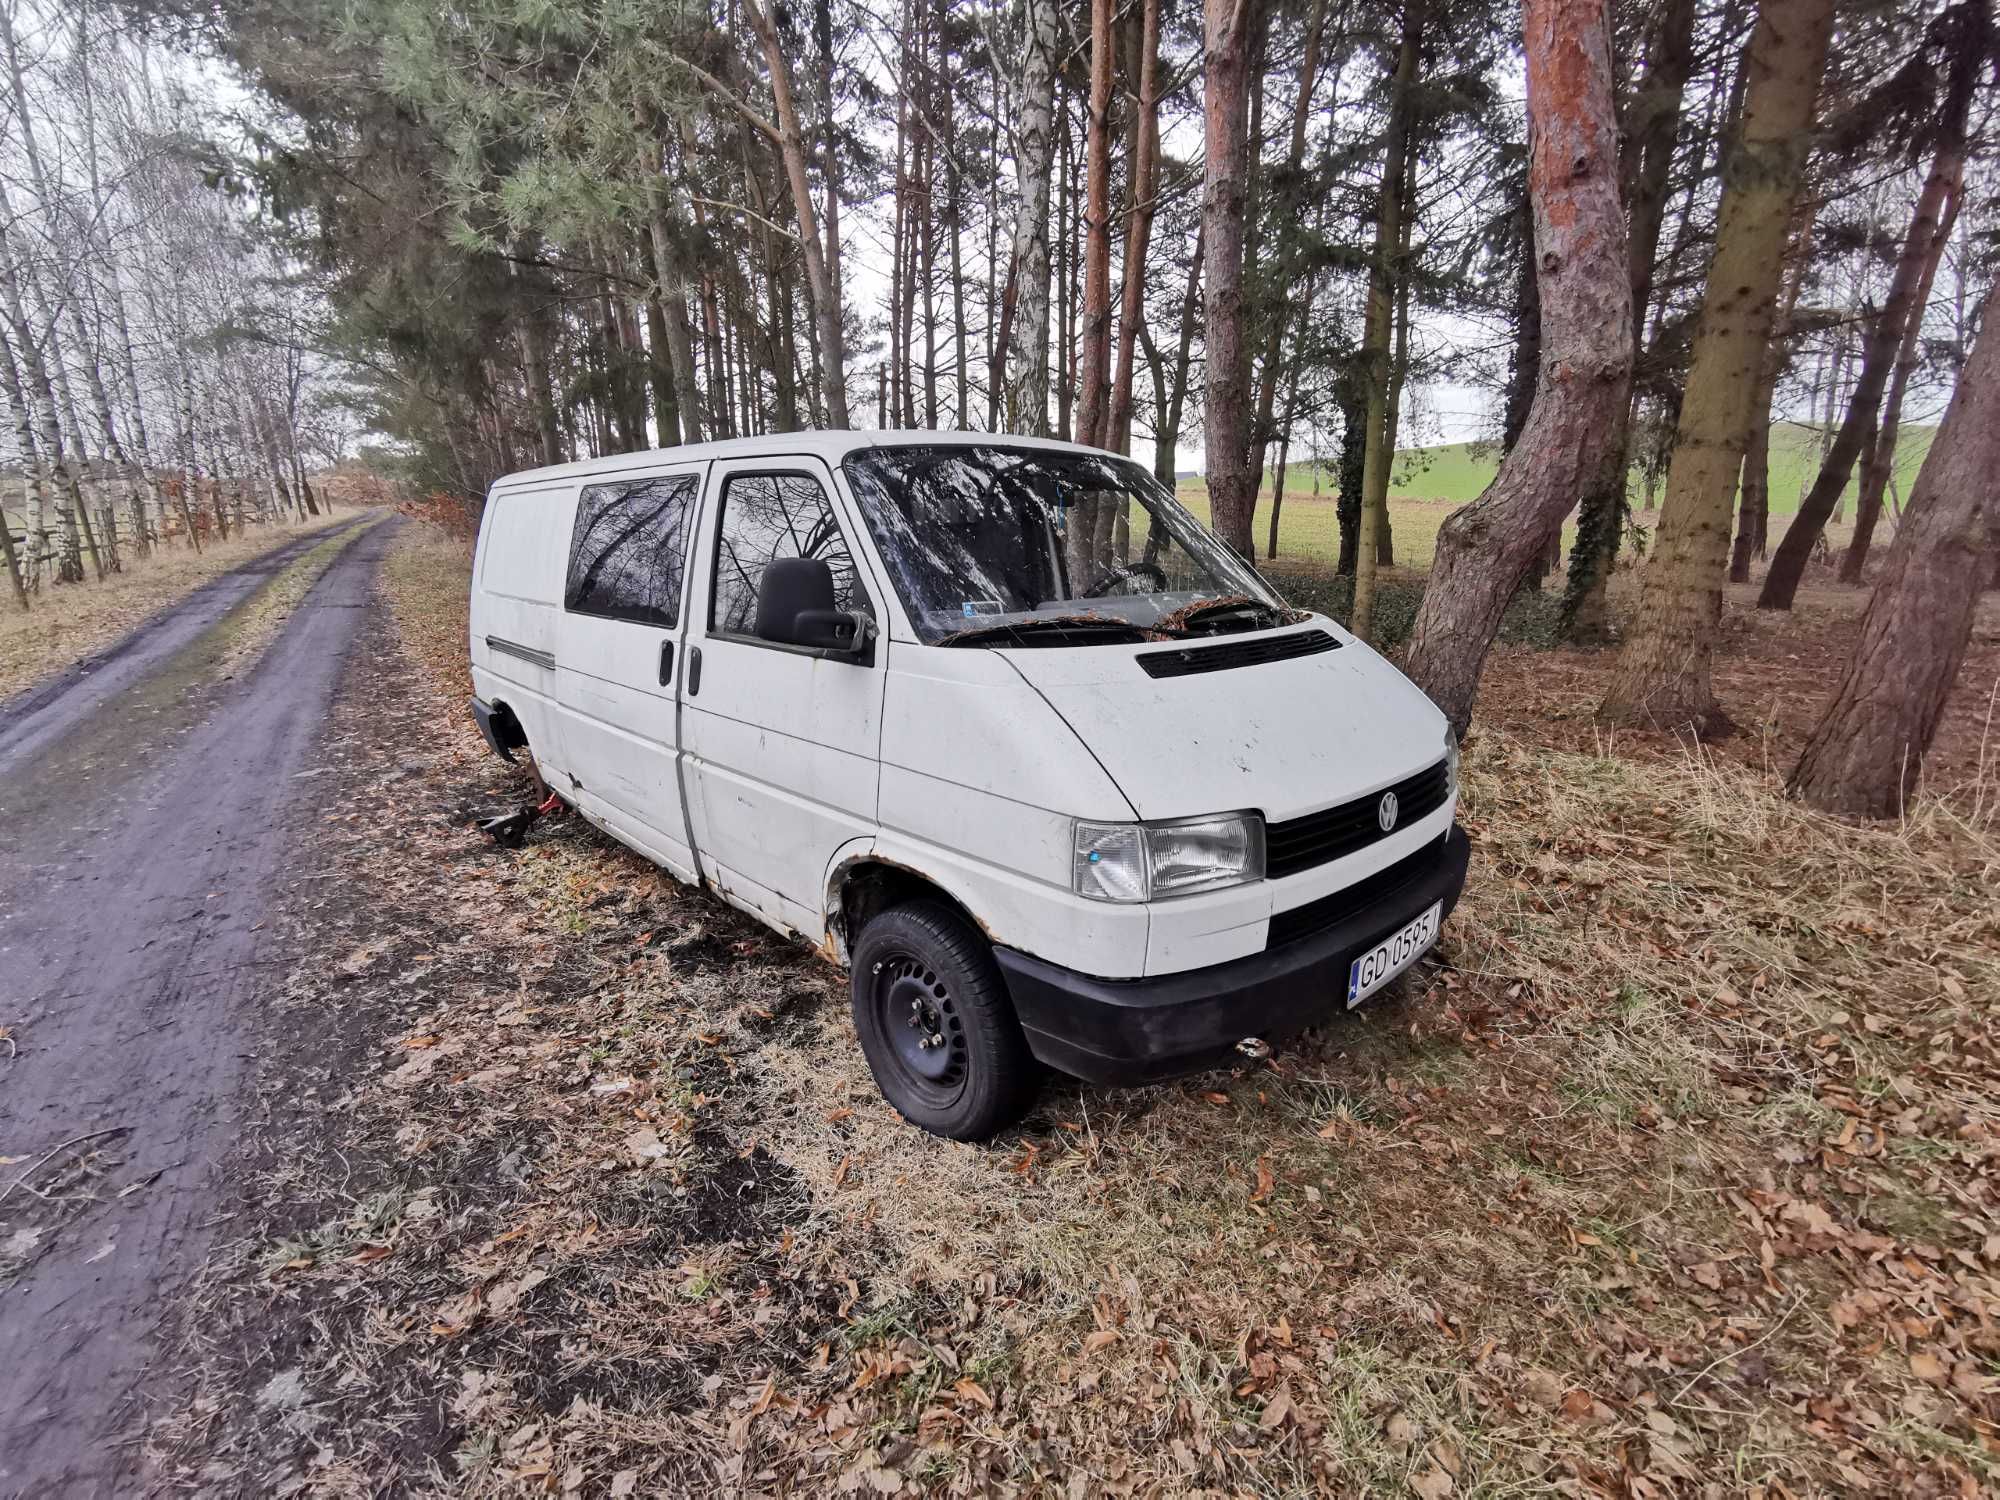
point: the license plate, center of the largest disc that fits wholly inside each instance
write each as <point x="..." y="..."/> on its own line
<point x="1392" y="955"/>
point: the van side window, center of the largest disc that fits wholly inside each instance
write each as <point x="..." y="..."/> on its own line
<point x="629" y="548"/>
<point x="767" y="516"/>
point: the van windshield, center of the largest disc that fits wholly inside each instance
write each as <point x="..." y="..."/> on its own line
<point x="999" y="546"/>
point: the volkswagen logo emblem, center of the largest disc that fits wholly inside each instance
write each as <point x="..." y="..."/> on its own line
<point x="1385" y="811"/>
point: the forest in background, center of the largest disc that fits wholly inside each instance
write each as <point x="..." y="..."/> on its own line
<point x="498" y="235"/>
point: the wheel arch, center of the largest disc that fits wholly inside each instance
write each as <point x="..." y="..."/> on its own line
<point x="864" y="882"/>
<point x="507" y="727"/>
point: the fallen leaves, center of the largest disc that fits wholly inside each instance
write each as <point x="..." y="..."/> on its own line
<point x="1266" y="1183"/>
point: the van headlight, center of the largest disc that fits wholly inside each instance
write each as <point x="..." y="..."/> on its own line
<point x="1450" y="764"/>
<point x="1144" y="861"/>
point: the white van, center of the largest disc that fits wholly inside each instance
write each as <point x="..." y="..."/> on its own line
<point x="994" y="721"/>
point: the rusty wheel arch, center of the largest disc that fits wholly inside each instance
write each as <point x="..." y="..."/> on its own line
<point x="867" y="884"/>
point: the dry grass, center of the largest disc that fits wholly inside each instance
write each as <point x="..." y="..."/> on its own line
<point x="427" y="578"/>
<point x="64" y="625"/>
<point x="1675" y="1172"/>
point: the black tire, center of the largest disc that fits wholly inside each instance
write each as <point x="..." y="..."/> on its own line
<point x="936" y="1025"/>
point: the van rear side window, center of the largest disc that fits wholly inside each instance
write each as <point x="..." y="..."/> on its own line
<point x="629" y="549"/>
<point x="514" y="557"/>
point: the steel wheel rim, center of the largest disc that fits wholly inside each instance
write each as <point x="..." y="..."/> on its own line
<point x="919" y="1021"/>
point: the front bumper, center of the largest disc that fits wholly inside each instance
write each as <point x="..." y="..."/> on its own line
<point x="1135" y="1030"/>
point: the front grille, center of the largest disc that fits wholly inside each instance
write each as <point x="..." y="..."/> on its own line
<point x="1335" y="908"/>
<point x="1187" y="661"/>
<point x="1333" y="832"/>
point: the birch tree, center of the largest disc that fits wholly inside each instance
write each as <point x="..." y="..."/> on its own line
<point x="1024" y="307"/>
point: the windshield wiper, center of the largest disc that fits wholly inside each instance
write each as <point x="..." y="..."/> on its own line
<point x="1048" y="630"/>
<point x="1216" y="612"/>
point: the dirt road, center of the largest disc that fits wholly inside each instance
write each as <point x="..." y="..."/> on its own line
<point x="148" y="802"/>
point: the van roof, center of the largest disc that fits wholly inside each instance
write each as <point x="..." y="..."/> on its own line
<point x="828" y="444"/>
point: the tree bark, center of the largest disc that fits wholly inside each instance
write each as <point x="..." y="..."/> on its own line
<point x="670" y="293"/>
<point x="1753" y="514"/>
<point x="65" y="491"/>
<point x="1351" y="393"/>
<point x="1652" y="128"/>
<point x="1866" y="755"/>
<point x="1024" y="308"/>
<point x="1285" y="444"/>
<point x="1664" y="673"/>
<point x="823" y="289"/>
<point x="1067" y="269"/>
<point x="34" y="465"/>
<point x="1485" y="549"/>
<point x="1167" y="441"/>
<point x="1093" y="410"/>
<point x="1278" y="315"/>
<point x="1882" y="452"/>
<point x="830" y="171"/>
<point x="1232" y="487"/>
<point x="1144" y="171"/>
<point x="1878" y="354"/>
<point x="1379" y="326"/>
<point x="954" y="189"/>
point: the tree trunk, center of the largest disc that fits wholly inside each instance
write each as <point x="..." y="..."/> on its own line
<point x="1232" y="487"/>
<point x="954" y="189"/>
<point x="1878" y="354"/>
<point x="1144" y="171"/>
<point x="1882" y="452"/>
<point x="1156" y="372"/>
<point x="1399" y="369"/>
<point x="1289" y="209"/>
<point x="1024" y="308"/>
<point x="1379" y="326"/>
<point x="830" y="173"/>
<point x="1485" y="549"/>
<point x="1285" y="446"/>
<point x="535" y="360"/>
<point x="16" y="583"/>
<point x="66" y="493"/>
<point x="1093" y="410"/>
<point x="824" y="291"/>
<point x="1866" y="755"/>
<point x="1352" y="394"/>
<point x="1652" y="127"/>
<point x="671" y="294"/>
<point x="34" y="467"/>
<point x="1066" y="280"/>
<point x="1167" y="441"/>
<point x="1753" y="519"/>
<point x="1664" y="673"/>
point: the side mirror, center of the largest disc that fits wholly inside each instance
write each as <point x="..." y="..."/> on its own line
<point x="795" y="607"/>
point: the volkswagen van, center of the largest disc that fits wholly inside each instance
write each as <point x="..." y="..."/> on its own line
<point x="996" y="723"/>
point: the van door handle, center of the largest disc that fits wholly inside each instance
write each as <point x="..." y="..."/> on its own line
<point x="694" y="670"/>
<point x="666" y="662"/>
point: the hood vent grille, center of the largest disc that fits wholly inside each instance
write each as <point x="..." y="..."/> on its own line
<point x="1186" y="661"/>
<point x="1318" y="838"/>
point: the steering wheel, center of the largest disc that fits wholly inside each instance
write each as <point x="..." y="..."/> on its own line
<point x="1120" y="573"/>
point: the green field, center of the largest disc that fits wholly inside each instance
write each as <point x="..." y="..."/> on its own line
<point x="1427" y="484"/>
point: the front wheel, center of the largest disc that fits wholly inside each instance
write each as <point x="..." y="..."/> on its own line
<point x="936" y="1025"/>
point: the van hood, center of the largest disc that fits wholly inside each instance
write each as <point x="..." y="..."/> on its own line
<point x="1284" y="737"/>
